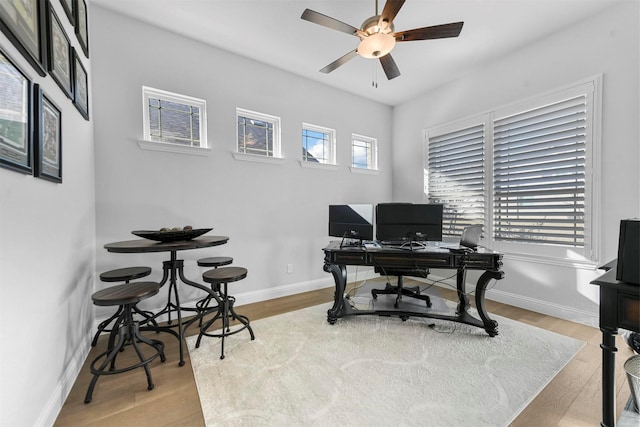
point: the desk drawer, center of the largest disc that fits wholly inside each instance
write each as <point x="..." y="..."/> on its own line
<point x="482" y="262"/>
<point x="629" y="312"/>
<point x="401" y="261"/>
<point x="347" y="258"/>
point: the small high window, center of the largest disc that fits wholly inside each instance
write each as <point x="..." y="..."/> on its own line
<point x="258" y="133"/>
<point x="172" y="118"/>
<point x="364" y="152"/>
<point x="318" y="144"/>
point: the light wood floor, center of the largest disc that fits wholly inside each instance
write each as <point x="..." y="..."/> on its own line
<point x="572" y="398"/>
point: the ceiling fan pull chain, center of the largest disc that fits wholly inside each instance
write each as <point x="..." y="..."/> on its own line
<point x="374" y="77"/>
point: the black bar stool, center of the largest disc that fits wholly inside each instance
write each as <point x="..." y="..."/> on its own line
<point x="120" y="275"/>
<point x="223" y="276"/>
<point x="215" y="262"/>
<point x="125" y="296"/>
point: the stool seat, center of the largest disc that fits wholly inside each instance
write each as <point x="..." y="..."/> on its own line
<point x="125" y="274"/>
<point x="130" y="293"/>
<point x="120" y="275"/>
<point x="215" y="261"/>
<point x="224" y="275"/>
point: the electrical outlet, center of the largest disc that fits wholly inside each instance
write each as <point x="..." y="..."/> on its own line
<point x="289" y="268"/>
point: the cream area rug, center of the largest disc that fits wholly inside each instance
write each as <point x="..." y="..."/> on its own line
<point x="374" y="371"/>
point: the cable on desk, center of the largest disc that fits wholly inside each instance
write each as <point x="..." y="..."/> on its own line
<point x="355" y="286"/>
<point x="451" y="330"/>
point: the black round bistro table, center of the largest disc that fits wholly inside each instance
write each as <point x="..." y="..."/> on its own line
<point x="173" y="269"/>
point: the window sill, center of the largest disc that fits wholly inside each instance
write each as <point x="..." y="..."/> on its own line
<point x="257" y="158"/>
<point x="314" y="165"/>
<point x="364" y="171"/>
<point x="173" y="148"/>
<point x="579" y="264"/>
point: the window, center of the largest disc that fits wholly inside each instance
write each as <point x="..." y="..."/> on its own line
<point x="174" y="119"/>
<point x="456" y="175"/>
<point x="258" y="134"/>
<point x="537" y="157"/>
<point x="318" y="144"/>
<point x="364" y="152"/>
<point x="539" y="180"/>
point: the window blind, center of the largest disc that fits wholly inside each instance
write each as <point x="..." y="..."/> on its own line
<point x="456" y="177"/>
<point x="539" y="174"/>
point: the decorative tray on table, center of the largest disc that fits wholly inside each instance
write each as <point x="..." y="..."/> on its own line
<point x="171" y="235"/>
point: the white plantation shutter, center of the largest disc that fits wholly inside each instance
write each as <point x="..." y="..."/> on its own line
<point x="539" y="159"/>
<point x="456" y="176"/>
<point x="525" y="171"/>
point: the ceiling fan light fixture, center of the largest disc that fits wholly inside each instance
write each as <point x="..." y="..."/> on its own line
<point x="376" y="45"/>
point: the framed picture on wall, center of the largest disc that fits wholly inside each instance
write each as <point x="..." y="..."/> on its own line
<point x="16" y="120"/>
<point x="23" y="22"/>
<point x="80" y="86"/>
<point x="48" y="131"/>
<point x="59" y="54"/>
<point x="82" y="26"/>
<point x="69" y="10"/>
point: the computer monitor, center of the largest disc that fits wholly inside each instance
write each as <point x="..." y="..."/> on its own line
<point x="353" y="221"/>
<point x="408" y="222"/>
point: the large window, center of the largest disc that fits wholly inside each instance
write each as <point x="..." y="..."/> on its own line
<point x="524" y="171"/>
<point x="364" y="152"/>
<point x="173" y="118"/>
<point x="258" y="133"/>
<point x="318" y="144"/>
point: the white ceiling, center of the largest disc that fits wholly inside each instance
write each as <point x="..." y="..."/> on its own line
<point x="272" y="32"/>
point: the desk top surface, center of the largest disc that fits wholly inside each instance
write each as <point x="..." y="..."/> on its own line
<point x="608" y="279"/>
<point x="145" y="245"/>
<point x="429" y="248"/>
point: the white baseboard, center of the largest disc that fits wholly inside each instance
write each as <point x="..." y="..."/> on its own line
<point x="52" y="409"/>
<point x="533" y="304"/>
<point x="545" y="307"/>
<point x="274" y="292"/>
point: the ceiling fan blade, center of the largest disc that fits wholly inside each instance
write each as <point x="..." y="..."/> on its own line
<point x="391" y="9"/>
<point x="340" y="61"/>
<point x="436" y="32"/>
<point x="327" y="21"/>
<point x="389" y="66"/>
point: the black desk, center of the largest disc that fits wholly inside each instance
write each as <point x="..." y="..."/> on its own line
<point x="619" y="308"/>
<point x="406" y="262"/>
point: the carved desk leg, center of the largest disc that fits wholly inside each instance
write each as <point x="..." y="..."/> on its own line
<point x="490" y="325"/>
<point x="340" y="278"/>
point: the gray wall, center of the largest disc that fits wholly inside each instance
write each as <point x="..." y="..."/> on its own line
<point x="606" y="44"/>
<point x="47" y="266"/>
<point x="275" y="215"/>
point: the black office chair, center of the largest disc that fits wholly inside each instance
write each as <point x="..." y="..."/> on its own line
<point x="399" y="289"/>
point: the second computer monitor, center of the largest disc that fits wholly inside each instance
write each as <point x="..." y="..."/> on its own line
<point x="404" y="222"/>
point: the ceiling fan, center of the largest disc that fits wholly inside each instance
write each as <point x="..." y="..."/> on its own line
<point x="377" y="36"/>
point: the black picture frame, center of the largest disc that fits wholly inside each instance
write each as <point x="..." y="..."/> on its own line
<point x="48" y="131"/>
<point x="69" y="7"/>
<point x="60" y="64"/>
<point x="82" y="26"/>
<point x="24" y="24"/>
<point x="80" y="86"/>
<point x="16" y="121"/>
